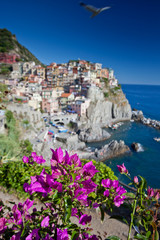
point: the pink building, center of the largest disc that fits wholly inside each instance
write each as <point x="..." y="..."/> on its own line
<point x="49" y="105"/>
<point x="8" y="58"/>
<point x="80" y="106"/>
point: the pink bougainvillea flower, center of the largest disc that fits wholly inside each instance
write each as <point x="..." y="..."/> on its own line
<point x="33" y="158"/>
<point x="43" y="183"/>
<point x="48" y="237"/>
<point x="120" y="190"/>
<point x="93" y="237"/>
<point x="135" y="180"/>
<point x="75" y="160"/>
<point x="17" y="215"/>
<point x="150" y="192"/>
<point x="3" y="226"/>
<point x="156" y="195"/>
<point x="16" y="236"/>
<point x="34" y="235"/>
<point x="62" y="234"/>
<point x="40" y="160"/>
<point x="25" y="159"/>
<point x="95" y="205"/>
<point x="114" y="183"/>
<point x="67" y="160"/>
<point x="122" y="169"/>
<point x="84" y="219"/>
<point x="106" y="183"/>
<point x="33" y="154"/>
<point x="74" y="213"/>
<point x="106" y="193"/>
<point x="56" y="171"/>
<point x="82" y="198"/>
<point x="27" y="205"/>
<point x="57" y="185"/>
<point x="118" y="200"/>
<point x="89" y="186"/>
<point x="57" y="155"/>
<point x="89" y="170"/>
<point x="45" y="222"/>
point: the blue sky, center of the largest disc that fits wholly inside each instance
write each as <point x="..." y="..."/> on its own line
<point x="125" y="37"/>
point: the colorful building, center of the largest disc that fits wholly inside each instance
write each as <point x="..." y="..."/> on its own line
<point x="8" y="58"/>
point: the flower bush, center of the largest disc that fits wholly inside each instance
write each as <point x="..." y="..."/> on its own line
<point x="65" y="191"/>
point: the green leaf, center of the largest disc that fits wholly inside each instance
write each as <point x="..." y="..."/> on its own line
<point x="113" y="238"/>
<point x="143" y="183"/>
<point x="156" y="235"/>
<point x="74" y="235"/>
<point x="73" y="176"/>
<point x="93" y="195"/>
<point x="148" y="234"/>
<point x="55" y="195"/>
<point x="68" y="208"/>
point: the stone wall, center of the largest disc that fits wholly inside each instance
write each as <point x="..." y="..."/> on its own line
<point x="24" y="111"/>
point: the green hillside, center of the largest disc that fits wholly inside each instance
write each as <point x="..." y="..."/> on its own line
<point x="9" y="44"/>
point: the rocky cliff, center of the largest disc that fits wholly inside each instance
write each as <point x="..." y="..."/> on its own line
<point x="103" y="111"/>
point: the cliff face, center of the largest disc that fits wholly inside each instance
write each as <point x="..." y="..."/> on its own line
<point x="103" y="111"/>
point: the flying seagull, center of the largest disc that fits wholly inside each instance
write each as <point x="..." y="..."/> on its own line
<point x="93" y="9"/>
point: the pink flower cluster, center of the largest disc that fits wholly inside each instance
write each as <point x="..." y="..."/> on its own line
<point x="16" y="221"/>
<point x="74" y="187"/>
<point x="80" y="183"/>
<point x="34" y="158"/>
<point x="117" y="194"/>
<point x="152" y="193"/>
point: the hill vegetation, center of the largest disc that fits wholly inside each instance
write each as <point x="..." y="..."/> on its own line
<point x="9" y="44"/>
<point x="10" y="144"/>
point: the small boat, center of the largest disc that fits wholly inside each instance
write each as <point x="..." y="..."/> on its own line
<point x="157" y="139"/>
<point x="115" y="126"/>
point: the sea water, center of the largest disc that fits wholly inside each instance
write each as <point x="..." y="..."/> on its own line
<point x="145" y="163"/>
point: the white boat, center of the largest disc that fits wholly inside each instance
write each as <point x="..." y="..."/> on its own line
<point x="157" y="139"/>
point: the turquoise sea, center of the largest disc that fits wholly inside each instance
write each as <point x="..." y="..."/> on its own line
<point x="146" y="163"/>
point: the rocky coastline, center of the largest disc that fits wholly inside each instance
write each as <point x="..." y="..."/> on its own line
<point x="108" y="151"/>
<point x="139" y="117"/>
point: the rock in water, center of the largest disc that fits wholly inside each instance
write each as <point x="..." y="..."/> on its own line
<point x="113" y="149"/>
<point x="137" y="147"/>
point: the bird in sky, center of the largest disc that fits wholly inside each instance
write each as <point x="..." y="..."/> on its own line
<point x="93" y="9"/>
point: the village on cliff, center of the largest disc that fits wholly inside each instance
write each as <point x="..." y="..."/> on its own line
<point x="65" y="104"/>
